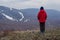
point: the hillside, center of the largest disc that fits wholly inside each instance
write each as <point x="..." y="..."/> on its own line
<point x="30" y="35"/>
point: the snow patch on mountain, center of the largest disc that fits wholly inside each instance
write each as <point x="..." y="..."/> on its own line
<point x="22" y="16"/>
<point x="12" y="19"/>
<point x="11" y="8"/>
<point x="8" y="17"/>
<point x="26" y="20"/>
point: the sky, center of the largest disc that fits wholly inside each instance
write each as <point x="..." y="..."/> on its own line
<point x="23" y="4"/>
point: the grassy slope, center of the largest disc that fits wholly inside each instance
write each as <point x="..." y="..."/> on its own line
<point x="30" y="35"/>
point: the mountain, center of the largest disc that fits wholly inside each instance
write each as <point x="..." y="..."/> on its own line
<point x="26" y="19"/>
<point x="52" y="19"/>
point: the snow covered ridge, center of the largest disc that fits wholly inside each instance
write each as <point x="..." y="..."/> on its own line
<point x="12" y="19"/>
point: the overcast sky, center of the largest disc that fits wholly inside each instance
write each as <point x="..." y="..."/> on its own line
<point x="19" y="4"/>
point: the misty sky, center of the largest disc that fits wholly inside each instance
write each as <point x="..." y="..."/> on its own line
<point x="22" y="4"/>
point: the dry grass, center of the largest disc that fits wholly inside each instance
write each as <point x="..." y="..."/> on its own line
<point x="30" y="35"/>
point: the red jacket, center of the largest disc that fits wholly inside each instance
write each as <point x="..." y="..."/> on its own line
<point x="42" y="16"/>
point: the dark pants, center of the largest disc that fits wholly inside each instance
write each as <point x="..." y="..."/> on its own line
<point x="42" y="27"/>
